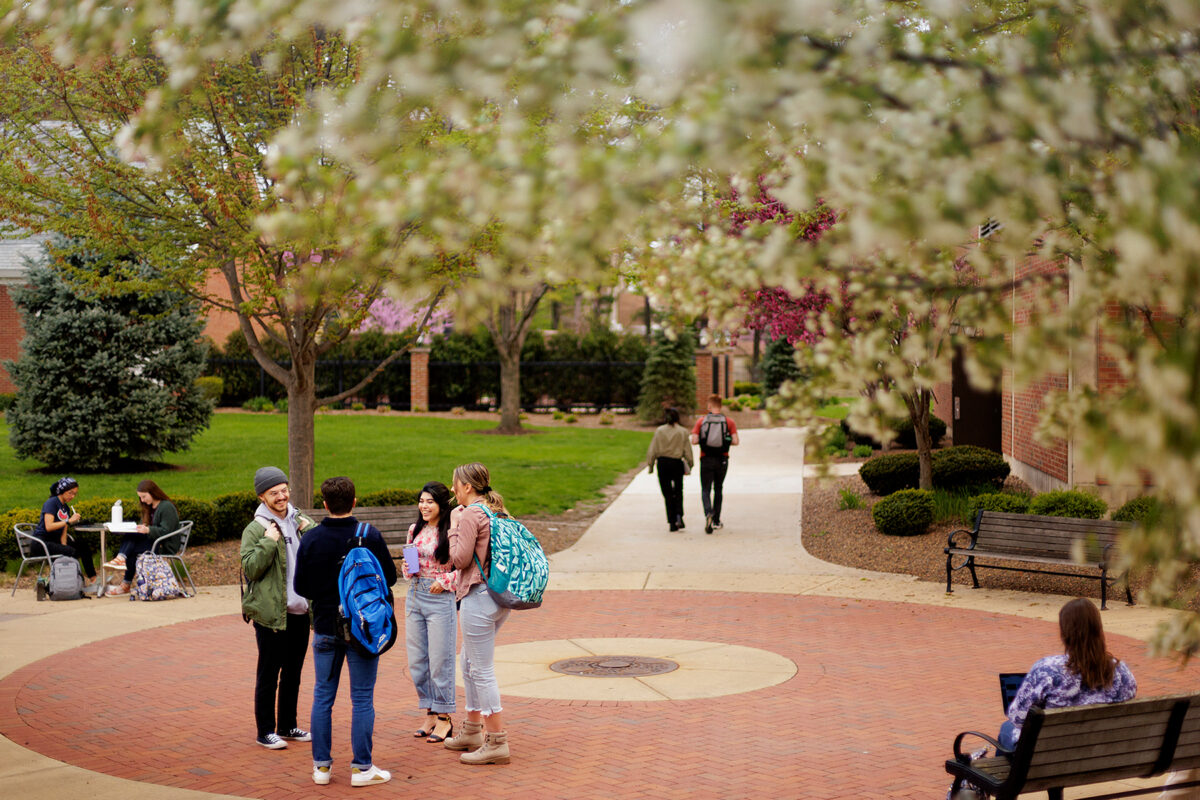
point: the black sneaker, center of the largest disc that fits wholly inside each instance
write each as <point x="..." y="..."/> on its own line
<point x="297" y="735"/>
<point x="708" y="523"/>
<point x="271" y="742"/>
<point x="679" y="522"/>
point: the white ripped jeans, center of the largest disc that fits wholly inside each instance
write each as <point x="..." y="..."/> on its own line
<point x="480" y="619"/>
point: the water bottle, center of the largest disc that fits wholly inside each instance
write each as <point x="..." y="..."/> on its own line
<point x="118" y="513"/>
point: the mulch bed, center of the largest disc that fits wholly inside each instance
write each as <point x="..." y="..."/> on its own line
<point x="848" y="537"/>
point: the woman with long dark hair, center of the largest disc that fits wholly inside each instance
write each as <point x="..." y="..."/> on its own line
<point x="1087" y="673"/>
<point x="159" y="517"/>
<point x="430" y="614"/>
<point x="671" y="451"/>
<point x="483" y="735"/>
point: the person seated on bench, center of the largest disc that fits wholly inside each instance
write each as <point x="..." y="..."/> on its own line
<point x="51" y="528"/>
<point x="1086" y="674"/>
<point x="159" y="517"/>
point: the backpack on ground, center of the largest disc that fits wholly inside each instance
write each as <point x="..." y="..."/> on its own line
<point x="66" y="579"/>
<point x="154" y="579"/>
<point x="715" y="437"/>
<point x="518" y="569"/>
<point x="366" y="618"/>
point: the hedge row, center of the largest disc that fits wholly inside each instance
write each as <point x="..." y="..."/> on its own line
<point x="214" y="520"/>
<point x="954" y="467"/>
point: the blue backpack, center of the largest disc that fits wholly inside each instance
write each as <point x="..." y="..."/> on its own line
<point x="366" y="618"/>
<point x="518" y="570"/>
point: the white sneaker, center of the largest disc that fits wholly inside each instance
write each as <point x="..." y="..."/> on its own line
<point x="321" y="775"/>
<point x="369" y="777"/>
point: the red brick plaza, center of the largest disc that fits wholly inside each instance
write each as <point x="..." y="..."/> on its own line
<point x="879" y="692"/>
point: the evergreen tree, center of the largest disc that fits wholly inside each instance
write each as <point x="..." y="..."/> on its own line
<point x="670" y="376"/>
<point x="779" y="365"/>
<point x="100" y="378"/>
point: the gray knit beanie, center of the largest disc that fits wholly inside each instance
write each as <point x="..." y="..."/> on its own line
<point x="268" y="477"/>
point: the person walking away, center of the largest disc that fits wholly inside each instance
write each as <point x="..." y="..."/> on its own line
<point x="430" y="614"/>
<point x="159" y="517"/>
<point x="318" y="565"/>
<point x="483" y="735"/>
<point x="279" y="615"/>
<point x="671" y="452"/>
<point x="715" y="433"/>
<point x="52" y="526"/>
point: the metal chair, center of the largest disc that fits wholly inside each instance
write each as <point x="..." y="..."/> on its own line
<point x="184" y="531"/>
<point x="32" y="550"/>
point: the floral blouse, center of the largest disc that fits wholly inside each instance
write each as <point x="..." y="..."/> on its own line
<point x="426" y="542"/>
<point x="1050" y="684"/>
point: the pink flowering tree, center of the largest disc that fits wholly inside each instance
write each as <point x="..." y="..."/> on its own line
<point x="393" y="316"/>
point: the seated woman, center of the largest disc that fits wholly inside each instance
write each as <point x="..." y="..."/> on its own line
<point x="159" y="517"/>
<point x="1085" y="674"/>
<point x="431" y="617"/>
<point x="57" y="515"/>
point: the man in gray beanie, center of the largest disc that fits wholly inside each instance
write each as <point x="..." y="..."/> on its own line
<point x="279" y="615"/>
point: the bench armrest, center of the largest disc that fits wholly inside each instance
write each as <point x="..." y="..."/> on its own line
<point x="968" y="544"/>
<point x="965" y="758"/>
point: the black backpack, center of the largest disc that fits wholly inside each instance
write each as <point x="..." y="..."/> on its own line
<point x="715" y="437"/>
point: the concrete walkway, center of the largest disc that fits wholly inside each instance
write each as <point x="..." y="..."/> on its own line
<point x="789" y="669"/>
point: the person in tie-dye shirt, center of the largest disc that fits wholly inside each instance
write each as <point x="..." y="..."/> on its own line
<point x="1086" y="674"/>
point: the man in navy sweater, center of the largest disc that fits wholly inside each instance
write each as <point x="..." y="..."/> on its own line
<point x="317" y="566"/>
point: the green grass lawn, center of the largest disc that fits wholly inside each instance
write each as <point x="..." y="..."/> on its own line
<point x="837" y="408"/>
<point x="545" y="472"/>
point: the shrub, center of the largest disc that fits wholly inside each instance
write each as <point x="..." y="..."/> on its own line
<point x="210" y="387"/>
<point x="733" y="404"/>
<point x="968" y="465"/>
<point x="390" y="497"/>
<point x="890" y="472"/>
<point x="8" y="541"/>
<point x="1068" y="503"/>
<point x="231" y="513"/>
<point x="1140" y="509"/>
<point x="558" y="415"/>
<point x="258" y="404"/>
<point x="907" y="512"/>
<point x="357" y="407"/>
<point x="862" y="451"/>
<point x="746" y="387"/>
<point x="571" y="419"/>
<point x="1002" y="502"/>
<point x="906" y="436"/>
<point x="750" y="402"/>
<point x="606" y="418"/>
<point x="203" y="515"/>
<point x="281" y="405"/>
<point x="849" y="500"/>
<point x="6" y="400"/>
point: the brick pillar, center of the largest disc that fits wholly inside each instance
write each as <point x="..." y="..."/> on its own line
<point x="704" y="378"/>
<point x="418" y="379"/>
<point x="11" y="334"/>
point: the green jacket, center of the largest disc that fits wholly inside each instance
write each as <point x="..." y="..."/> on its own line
<point x="264" y="562"/>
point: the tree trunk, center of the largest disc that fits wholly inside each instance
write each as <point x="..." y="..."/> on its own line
<point x="918" y="412"/>
<point x="302" y="407"/>
<point x="510" y="389"/>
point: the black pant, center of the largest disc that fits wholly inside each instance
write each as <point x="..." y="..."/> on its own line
<point x="78" y="548"/>
<point x="133" y="545"/>
<point x="712" y="474"/>
<point x="670" y="480"/>
<point x="280" y="662"/>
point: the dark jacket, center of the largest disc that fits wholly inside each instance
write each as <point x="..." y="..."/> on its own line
<point x="320" y="559"/>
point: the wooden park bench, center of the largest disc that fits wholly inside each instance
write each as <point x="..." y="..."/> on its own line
<point x="1035" y="540"/>
<point x="392" y="522"/>
<point x="1086" y="745"/>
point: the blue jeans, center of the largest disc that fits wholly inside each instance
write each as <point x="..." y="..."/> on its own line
<point x="481" y="619"/>
<point x="327" y="660"/>
<point x="429" y="633"/>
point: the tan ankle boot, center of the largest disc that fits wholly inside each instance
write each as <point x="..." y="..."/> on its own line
<point x="494" y="750"/>
<point x="470" y="737"/>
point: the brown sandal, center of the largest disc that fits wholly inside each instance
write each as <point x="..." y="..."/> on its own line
<point x="434" y="736"/>
<point x="426" y="726"/>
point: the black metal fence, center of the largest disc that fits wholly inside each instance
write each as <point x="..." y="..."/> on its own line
<point x="592" y="385"/>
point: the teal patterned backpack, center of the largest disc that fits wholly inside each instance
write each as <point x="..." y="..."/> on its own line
<point x="518" y="570"/>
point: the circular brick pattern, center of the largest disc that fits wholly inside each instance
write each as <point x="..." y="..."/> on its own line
<point x="875" y="683"/>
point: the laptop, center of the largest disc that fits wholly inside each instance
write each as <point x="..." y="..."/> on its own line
<point x="1010" y="682"/>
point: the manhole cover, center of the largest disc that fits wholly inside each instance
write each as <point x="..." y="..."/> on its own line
<point x="614" y="666"/>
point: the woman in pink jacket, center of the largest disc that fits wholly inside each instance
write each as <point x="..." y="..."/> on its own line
<point x="479" y="618"/>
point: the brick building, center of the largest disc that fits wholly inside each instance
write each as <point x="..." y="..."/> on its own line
<point x="13" y="253"/>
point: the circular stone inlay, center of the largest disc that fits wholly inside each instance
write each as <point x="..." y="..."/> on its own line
<point x="614" y="666"/>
